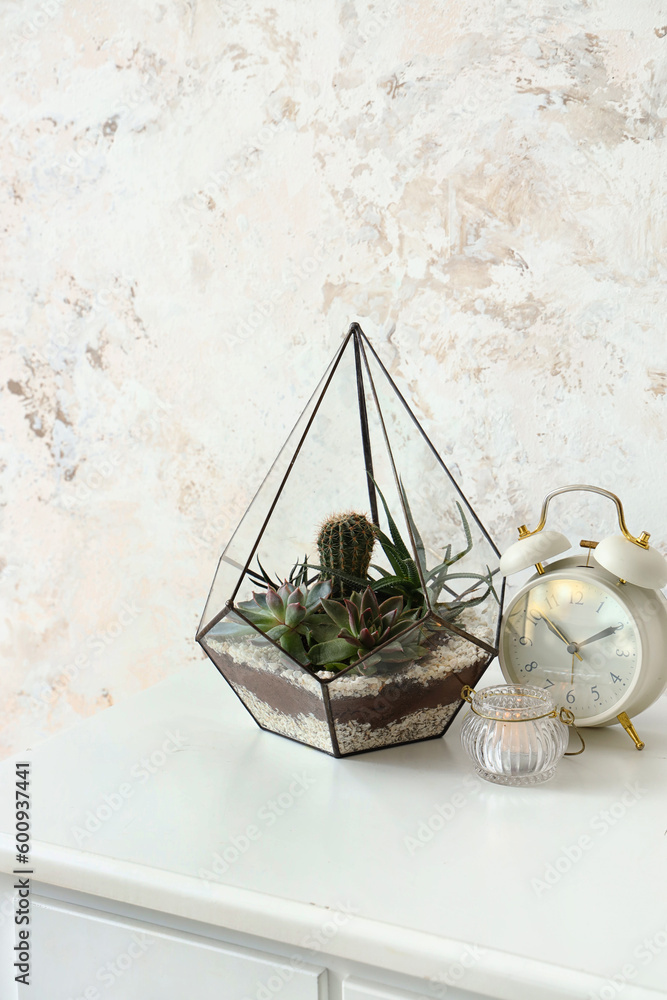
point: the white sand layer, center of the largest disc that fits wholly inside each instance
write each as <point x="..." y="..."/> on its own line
<point x="303" y="727"/>
<point x="419" y="725"/>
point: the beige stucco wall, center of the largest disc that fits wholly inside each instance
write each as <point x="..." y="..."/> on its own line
<point x="197" y="197"/>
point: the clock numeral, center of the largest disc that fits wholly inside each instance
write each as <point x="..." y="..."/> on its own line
<point x="530" y="666"/>
<point x="534" y="617"/>
<point x="570" y="697"/>
<point x="580" y="597"/>
<point x="549" y="684"/>
<point x="549" y="602"/>
<point x="595" y="692"/>
<point x="622" y="652"/>
<point x="525" y="641"/>
<point x="614" y="677"/>
<point x="602" y="604"/>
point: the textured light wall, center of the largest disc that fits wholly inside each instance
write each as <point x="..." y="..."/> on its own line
<point x="197" y="197"/>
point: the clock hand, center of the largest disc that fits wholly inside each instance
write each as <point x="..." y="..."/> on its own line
<point x="593" y="638"/>
<point x="574" y="647"/>
<point x="552" y="628"/>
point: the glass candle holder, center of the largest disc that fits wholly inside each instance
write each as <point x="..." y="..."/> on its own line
<point x="514" y="734"/>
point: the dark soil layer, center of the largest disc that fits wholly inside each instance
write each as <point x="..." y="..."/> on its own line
<point x="275" y="690"/>
<point x="402" y="696"/>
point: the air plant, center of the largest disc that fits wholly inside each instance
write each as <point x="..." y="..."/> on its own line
<point x="439" y="577"/>
<point x="288" y="615"/>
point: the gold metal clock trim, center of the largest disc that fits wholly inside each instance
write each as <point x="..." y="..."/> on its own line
<point x="641" y="540"/>
<point x="624" y="719"/>
<point x="586" y="543"/>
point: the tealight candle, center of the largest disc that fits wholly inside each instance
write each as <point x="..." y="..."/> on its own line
<point x="514" y="734"/>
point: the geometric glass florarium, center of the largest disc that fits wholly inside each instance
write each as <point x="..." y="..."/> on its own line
<point x="360" y="592"/>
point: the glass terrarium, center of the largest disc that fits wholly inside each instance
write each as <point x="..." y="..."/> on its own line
<point x="360" y="593"/>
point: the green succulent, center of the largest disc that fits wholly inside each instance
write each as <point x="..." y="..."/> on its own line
<point x="364" y="625"/>
<point x="288" y="615"/>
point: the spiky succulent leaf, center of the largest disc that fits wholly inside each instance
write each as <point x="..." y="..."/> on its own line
<point x="401" y="547"/>
<point x="392" y="605"/>
<point x="391" y="553"/>
<point x="353" y="614"/>
<point x="277" y="632"/>
<point x="337" y="612"/>
<point x="230" y="630"/>
<point x="321" y="632"/>
<point x="369" y="604"/>
<point x="368" y="639"/>
<point x="275" y="603"/>
<point x="419" y="544"/>
<point x="325" y="653"/>
<point x="466" y="530"/>
<point x="292" y="644"/>
<point x="258" y="601"/>
<point x="318" y="592"/>
<point x="294" y="614"/>
<point x="394" y="583"/>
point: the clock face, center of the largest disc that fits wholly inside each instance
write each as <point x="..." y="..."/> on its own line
<point x="576" y="639"/>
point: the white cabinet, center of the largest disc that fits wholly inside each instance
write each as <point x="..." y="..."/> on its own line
<point x="83" y="954"/>
<point x="360" y="989"/>
<point x="161" y="891"/>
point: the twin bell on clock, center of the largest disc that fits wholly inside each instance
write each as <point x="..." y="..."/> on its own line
<point x="592" y="627"/>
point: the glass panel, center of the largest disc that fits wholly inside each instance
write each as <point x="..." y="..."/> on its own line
<point x="279" y="694"/>
<point x="459" y="562"/>
<point x="327" y="478"/>
<point x="239" y="547"/>
<point x="408" y="701"/>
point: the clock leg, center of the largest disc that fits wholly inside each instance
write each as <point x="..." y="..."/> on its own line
<point x="630" y="730"/>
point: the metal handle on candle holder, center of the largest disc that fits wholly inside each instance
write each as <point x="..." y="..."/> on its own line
<point x="564" y="715"/>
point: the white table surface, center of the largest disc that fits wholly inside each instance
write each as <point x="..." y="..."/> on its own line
<point x="342" y="842"/>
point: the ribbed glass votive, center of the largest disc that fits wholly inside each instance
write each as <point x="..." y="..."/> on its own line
<point x="513" y="735"/>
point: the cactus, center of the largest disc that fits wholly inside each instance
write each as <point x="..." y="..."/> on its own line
<point x="345" y="546"/>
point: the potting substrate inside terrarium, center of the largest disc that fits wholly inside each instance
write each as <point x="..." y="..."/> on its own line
<point x="361" y="592"/>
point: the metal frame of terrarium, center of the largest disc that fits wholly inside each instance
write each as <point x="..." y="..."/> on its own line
<point x="361" y="345"/>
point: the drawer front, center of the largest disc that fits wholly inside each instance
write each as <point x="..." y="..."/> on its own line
<point x="80" y="954"/>
<point x="360" y="989"/>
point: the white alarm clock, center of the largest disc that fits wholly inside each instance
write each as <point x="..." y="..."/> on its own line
<point x="590" y="628"/>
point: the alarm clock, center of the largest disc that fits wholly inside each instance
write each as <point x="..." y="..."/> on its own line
<point x="591" y="628"/>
